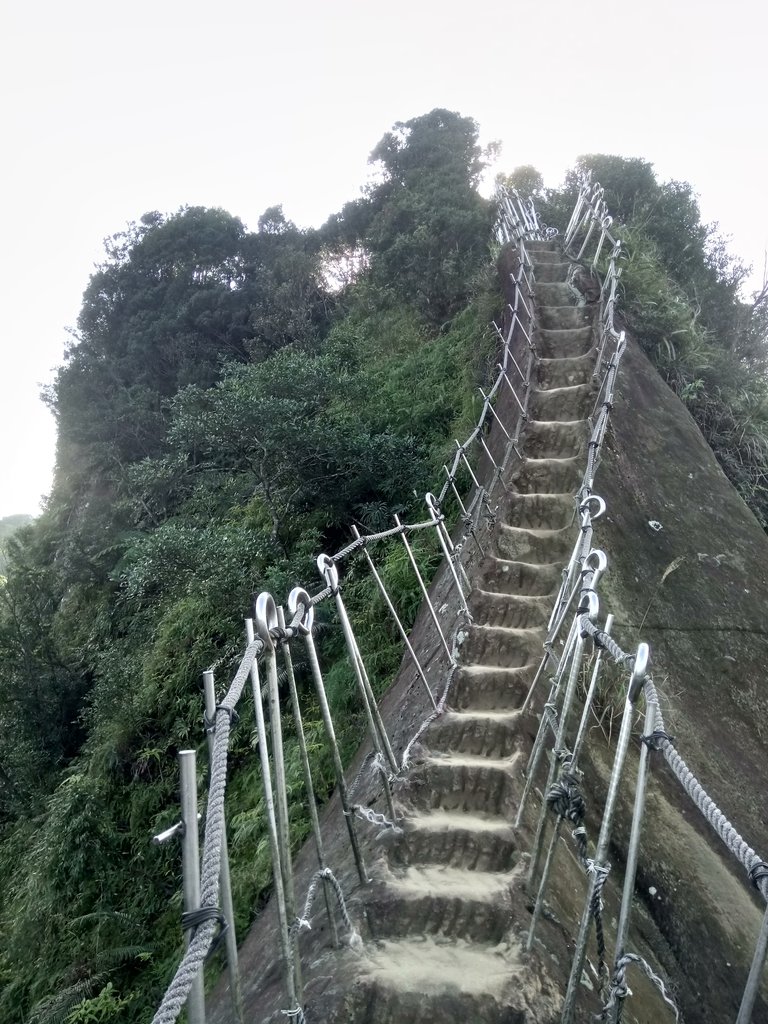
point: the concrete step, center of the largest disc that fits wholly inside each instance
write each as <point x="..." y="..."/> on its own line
<point x="423" y="981"/>
<point x="468" y="783"/>
<point x="491" y="733"/>
<point x="555" y="438"/>
<point x="541" y="476"/>
<point x="564" y="342"/>
<point x="548" y="271"/>
<point x="492" y="687"/>
<point x="528" y="545"/>
<point x="507" y="576"/>
<point x="569" y="403"/>
<point x="453" y="903"/>
<point x="540" y="250"/>
<point x="501" y="646"/>
<point x="556" y="293"/>
<point x="565" y="372"/>
<point x="476" y="842"/>
<point x="517" y="611"/>
<point x="537" y="511"/>
<point x="558" y="316"/>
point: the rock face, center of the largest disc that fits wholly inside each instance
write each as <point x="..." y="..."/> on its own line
<point x="446" y="912"/>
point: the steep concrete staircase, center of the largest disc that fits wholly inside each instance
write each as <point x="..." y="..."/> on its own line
<point x="447" y="896"/>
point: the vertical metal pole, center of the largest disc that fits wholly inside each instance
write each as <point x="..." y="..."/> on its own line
<point x="628" y="893"/>
<point x="538" y="744"/>
<point x="543" y="884"/>
<point x="570" y="692"/>
<point x="266" y="619"/>
<point x="274" y="839"/>
<point x="296" y="597"/>
<point x="308" y="784"/>
<point x="230" y="935"/>
<point x="636" y="680"/>
<point x="396" y="617"/>
<point x="190" y="869"/>
<point x="376" y="727"/>
<point x="425" y="593"/>
<point x="442" y="533"/>
<point x="755" y="971"/>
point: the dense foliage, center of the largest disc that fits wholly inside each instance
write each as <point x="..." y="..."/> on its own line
<point x="228" y="407"/>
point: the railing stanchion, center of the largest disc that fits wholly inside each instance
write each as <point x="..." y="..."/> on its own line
<point x="230" y="934"/>
<point x="190" y="868"/>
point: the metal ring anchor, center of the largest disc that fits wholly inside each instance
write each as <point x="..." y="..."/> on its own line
<point x="266" y="619"/>
<point x="601" y="506"/>
<point x="589" y="605"/>
<point x="639" y="672"/>
<point x="299" y="596"/>
<point x="596" y="554"/>
<point x="328" y="571"/>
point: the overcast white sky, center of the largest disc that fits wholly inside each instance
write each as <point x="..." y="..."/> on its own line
<point x="110" y="109"/>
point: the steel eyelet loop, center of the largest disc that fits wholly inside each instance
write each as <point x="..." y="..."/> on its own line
<point x="299" y="596"/>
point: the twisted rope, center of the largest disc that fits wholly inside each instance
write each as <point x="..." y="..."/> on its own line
<point x="326" y="875"/>
<point x="619" y="989"/>
<point x="199" y="946"/>
<point x="565" y="799"/>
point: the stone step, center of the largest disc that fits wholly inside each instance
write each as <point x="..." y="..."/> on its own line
<point x="528" y="545"/>
<point x="562" y="316"/>
<point x="555" y="438"/>
<point x="424" y="981"/>
<point x="565" y="372"/>
<point x="557" y="293"/>
<point x="537" y="511"/>
<point x="540" y="249"/>
<point x="466" y="782"/>
<point x="501" y="646"/>
<point x="442" y="901"/>
<point x="565" y="342"/>
<point x="491" y="687"/>
<point x="476" y="842"/>
<point x="550" y="271"/>
<point x="491" y="733"/>
<point x="507" y="576"/>
<point x="569" y="403"/>
<point x="518" y="611"/>
<point x="542" y="476"/>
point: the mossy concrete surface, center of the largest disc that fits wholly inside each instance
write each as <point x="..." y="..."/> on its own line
<point x="671" y="510"/>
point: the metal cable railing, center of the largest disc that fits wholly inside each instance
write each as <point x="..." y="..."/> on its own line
<point x="590" y="223"/>
<point x="499" y="426"/>
<point x="494" y="442"/>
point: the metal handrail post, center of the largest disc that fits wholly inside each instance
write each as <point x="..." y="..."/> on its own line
<point x="225" y="881"/>
<point x="296" y="597"/>
<point x="572" y="767"/>
<point x="625" y="912"/>
<point x="755" y="972"/>
<point x="637" y="678"/>
<point x="308" y="783"/>
<point x="190" y="869"/>
<point x="272" y="829"/>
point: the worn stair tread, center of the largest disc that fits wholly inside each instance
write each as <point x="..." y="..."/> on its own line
<point x="479" y="886"/>
<point x="440" y="820"/>
<point x="457" y="759"/>
<point x="490" y="715"/>
<point x="432" y="967"/>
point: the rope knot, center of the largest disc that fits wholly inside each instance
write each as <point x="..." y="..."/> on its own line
<point x="210" y="723"/>
<point x="192" y="919"/>
<point x="564" y="798"/>
<point x="657" y="739"/>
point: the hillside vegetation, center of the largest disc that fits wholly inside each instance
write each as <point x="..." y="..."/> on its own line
<point x="234" y="400"/>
